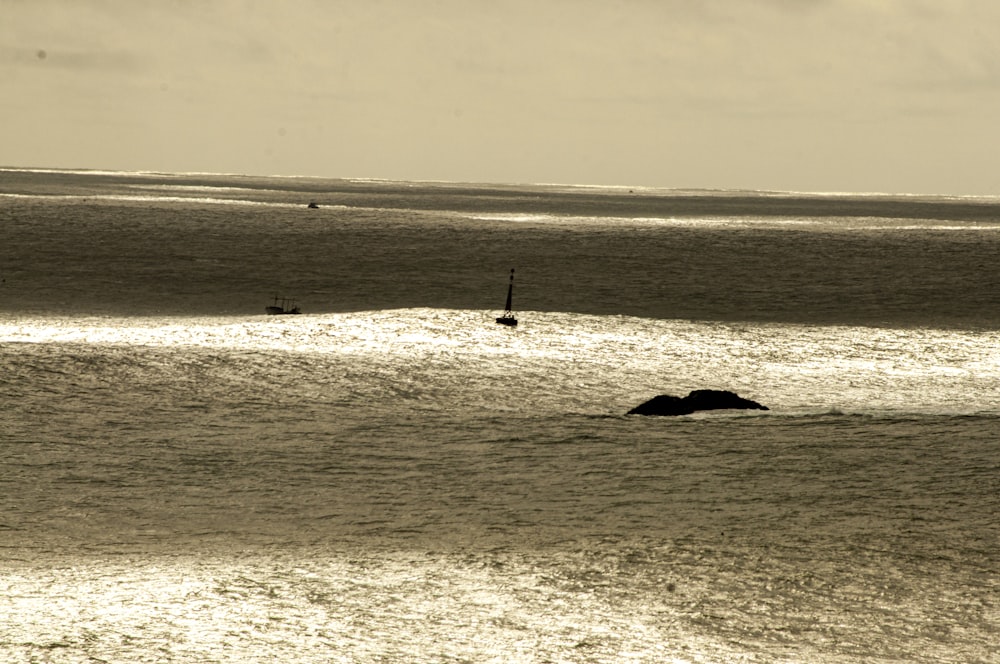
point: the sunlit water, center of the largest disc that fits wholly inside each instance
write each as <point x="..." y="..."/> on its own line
<point x="408" y="481"/>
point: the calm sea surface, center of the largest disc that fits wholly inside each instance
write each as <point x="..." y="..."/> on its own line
<point x="391" y="476"/>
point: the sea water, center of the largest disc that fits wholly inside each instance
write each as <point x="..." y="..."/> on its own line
<point x="391" y="476"/>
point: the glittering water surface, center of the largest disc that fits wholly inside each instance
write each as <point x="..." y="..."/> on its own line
<point x="419" y="483"/>
<point x="407" y="481"/>
<point x="642" y="603"/>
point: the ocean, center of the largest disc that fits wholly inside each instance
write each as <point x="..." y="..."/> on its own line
<point x="391" y="476"/>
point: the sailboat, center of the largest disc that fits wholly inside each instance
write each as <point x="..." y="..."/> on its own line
<point x="508" y="315"/>
<point x="283" y="308"/>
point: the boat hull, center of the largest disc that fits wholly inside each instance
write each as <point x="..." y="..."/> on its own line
<point x="278" y="311"/>
<point x="509" y="321"/>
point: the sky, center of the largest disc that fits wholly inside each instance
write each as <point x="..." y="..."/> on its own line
<point x="897" y="96"/>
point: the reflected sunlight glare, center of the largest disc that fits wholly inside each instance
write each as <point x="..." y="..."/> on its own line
<point x="794" y="367"/>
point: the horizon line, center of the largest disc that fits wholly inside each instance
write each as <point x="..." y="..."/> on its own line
<point x="569" y="185"/>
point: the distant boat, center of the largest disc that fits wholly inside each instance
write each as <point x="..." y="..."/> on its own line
<point x="508" y="314"/>
<point x="286" y="307"/>
<point x="313" y="205"/>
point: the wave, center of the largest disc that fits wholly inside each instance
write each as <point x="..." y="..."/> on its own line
<point x="575" y="363"/>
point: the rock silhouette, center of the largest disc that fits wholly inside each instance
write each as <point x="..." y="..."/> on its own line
<point x="666" y="404"/>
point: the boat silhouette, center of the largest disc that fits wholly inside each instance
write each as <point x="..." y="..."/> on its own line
<point x="508" y="314"/>
<point x="287" y="306"/>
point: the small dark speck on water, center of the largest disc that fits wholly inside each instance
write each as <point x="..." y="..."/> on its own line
<point x="42" y="54"/>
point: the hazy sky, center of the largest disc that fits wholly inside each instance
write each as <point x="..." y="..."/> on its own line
<point x="817" y="95"/>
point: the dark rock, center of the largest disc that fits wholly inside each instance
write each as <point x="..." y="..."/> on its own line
<point x="665" y="404"/>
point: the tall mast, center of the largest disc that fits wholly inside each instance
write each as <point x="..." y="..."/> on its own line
<point x="510" y="291"/>
<point x="508" y="315"/>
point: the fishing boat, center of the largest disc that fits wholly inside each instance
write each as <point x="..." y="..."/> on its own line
<point x="286" y="306"/>
<point x="508" y="315"/>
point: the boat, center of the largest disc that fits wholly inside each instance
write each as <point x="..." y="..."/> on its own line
<point x="508" y="315"/>
<point x="286" y="307"/>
